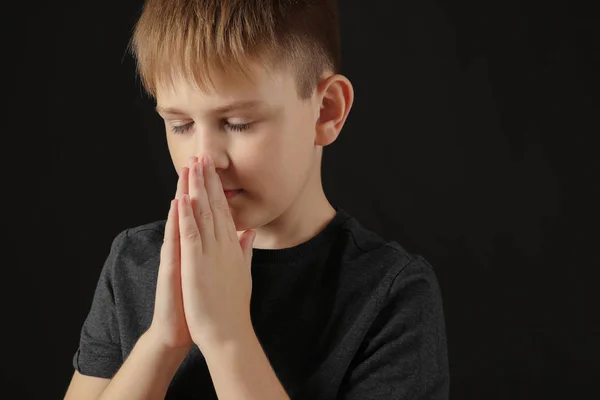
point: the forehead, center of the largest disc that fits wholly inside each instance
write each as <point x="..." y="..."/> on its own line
<point x="269" y="85"/>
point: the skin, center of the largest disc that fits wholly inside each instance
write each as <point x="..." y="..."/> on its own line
<point x="276" y="160"/>
<point x="204" y="288"/>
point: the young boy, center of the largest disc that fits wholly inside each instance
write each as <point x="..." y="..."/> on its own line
<point x="255" y="286"/>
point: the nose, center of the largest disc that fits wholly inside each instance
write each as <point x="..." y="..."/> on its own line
<point x="214" y="144"/>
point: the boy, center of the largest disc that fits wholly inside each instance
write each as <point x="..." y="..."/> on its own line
<point x="255" y="286"/>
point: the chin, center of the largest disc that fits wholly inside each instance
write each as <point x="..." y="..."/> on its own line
<point x="246" y="219"/>
<point x="241" y="224"/>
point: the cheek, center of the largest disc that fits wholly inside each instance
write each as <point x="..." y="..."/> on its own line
<point x="258" y="159"/>
<point x="290" y="157"/>
<point x="260" y="164"/>
<point x="179" y="153"/>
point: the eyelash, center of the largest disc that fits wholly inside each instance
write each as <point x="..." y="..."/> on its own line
<point x="179" y="130"/>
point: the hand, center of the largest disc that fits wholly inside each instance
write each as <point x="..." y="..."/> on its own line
<point x="168" y="325"/>
<point x="215" y="265"/>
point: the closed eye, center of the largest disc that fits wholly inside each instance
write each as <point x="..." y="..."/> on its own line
<point x="181" y="129"/>
<point x="237" y="127"/>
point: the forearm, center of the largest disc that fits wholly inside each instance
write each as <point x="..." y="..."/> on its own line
<point x="146" y="373"/>
<point x="240" y="370"/>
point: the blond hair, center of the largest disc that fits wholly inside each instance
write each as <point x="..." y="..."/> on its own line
<point x="188" y="38"/>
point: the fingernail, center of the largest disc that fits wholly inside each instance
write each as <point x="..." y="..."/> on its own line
<point x="207" y="160"/>
<point x="199" y="169"/>
<point x="186" y="199"/>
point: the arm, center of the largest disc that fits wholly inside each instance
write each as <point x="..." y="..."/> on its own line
<point x="404" y="355"/>
<point x="83" y="387"/>
<point x="146" y="373"/>
<point x="101" y="372"/>
<point x="98" y="355"/>
<point x="240" y="370"/>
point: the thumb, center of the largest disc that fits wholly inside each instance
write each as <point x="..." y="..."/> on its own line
<point x="246" y="241"/>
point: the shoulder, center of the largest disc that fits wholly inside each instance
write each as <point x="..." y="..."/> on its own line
<point x="363" y="246"/>
<point x="404" y="284"/>
<point x="136" y="246"/>
<point x="401" y="320"/>
<point x="411" y="280"/>
<point x="385" y="265"/>
<point x="145" y="234"/>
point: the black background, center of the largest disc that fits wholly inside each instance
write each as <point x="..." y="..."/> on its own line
<point x="471" y="142"/>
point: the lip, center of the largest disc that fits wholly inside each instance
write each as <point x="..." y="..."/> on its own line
<point x="232" y="193"/>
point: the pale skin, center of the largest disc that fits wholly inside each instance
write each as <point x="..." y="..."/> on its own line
<point x="204" y="284"/>
<point x="206" y="289"/>
<point x="276" y="159"/>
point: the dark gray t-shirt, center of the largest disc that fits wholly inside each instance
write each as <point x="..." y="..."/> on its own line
<point x="345" y="315"/>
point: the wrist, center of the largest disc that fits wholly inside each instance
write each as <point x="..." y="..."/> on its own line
<point x="240" y="338"/>
<point x="154" y="341"/>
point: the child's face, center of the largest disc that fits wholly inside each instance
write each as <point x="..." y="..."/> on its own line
<point x="260" y="134"/>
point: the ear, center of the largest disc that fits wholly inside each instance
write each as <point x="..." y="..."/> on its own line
<point x="336" y="96"/>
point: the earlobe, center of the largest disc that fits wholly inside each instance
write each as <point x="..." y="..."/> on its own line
<point x="337" y="96"/>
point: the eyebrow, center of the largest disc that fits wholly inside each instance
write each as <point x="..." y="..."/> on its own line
<point x="237" y="105"/>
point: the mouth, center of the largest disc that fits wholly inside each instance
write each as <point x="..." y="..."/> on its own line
<point x="232" y="193"/>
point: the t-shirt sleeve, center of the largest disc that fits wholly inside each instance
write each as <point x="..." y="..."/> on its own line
<point x="404" y="354"/>
<point x="99" y="352"/>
